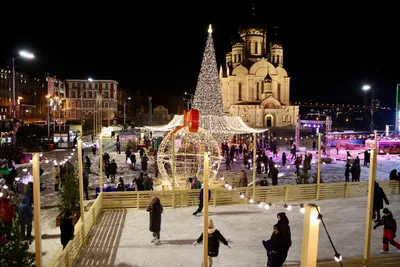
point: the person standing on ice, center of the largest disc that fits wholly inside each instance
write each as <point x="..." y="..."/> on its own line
<point x="389" y="230"/>
<point x="214" y="237"/>
<point x="155" y="209"/>
<point x="285" y="237"/>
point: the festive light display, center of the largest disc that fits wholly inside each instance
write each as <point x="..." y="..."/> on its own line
<point x="188" y="158"/>
<point x="208" y="95"/>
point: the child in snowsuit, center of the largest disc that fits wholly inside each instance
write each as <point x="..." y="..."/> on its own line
<point x="272" y="248"/>
<point x="214" y="237"/>
<point x="389" y="230"/>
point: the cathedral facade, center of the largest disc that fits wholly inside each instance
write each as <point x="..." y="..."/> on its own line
<point x="254" y="84"/>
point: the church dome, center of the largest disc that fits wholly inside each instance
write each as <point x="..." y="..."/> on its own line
<point x="252" y="26"/>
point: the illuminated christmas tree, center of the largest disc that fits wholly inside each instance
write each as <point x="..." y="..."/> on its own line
<point x="208" y="95"/>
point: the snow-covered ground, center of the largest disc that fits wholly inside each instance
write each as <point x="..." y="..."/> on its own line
<point x="49" y="199"/>
<point x="122" y="237"/>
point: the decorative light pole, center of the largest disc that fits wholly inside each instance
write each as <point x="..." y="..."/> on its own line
<point x="189" y="100"/>
<point x="48" y="116"/>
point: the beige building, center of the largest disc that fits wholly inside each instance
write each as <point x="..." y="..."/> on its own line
<point x="255" y="86"/>
<point x="84" y="97"/>
<point x="161" y="113"/>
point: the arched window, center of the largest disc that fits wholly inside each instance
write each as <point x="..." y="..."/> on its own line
<point x="279" y="92"/>
<point x="255" y="47"/>
<point x="240" y="91"/>
<point x="284" y="118"/>
<point x="277" y="59"/>
<point x="258" y="91"/>
<point x="262" y="87"/>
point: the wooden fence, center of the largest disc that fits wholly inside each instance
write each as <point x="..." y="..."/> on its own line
<point x="66" y="257"/>
<point x="222" y="196"/>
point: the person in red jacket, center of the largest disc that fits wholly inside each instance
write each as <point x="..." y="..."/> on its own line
<point x="389" y="230"/>
<point x="7" y="215"/>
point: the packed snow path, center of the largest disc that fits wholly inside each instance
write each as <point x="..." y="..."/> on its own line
<point x="122" y="238"/>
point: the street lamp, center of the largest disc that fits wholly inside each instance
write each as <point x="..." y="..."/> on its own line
<point x="125" y="110"/>
<point x="189" y="100"/>
<point x="366" y="88"/>
<point x="22" y="54"/>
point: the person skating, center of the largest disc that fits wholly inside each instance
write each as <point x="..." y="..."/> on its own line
<point x="389" y="230"/>
<point x="201" y="195"/>
<point x="214" y="237"/>
<point x="155" y="209"/>
<point x="379" y="197"/>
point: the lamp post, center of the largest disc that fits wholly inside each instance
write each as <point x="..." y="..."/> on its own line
<point x="125" y="109"/>
<point x="22" y="54"/>
<point x="396" y="124"/>
<point x="189" y="100"/>
<point x="366" y="88"/>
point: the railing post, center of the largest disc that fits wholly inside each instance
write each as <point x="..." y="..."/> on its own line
<point x="286" y="193"/>
<point x="319" y="166"/>
<point x="181" y="198"/>
<point x="215" y="198"/>
<point x="67" y="263"/>
<point x="137" y="200"/>
<point x="346" y="190"/>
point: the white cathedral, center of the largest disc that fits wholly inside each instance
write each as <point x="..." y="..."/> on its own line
<point x="255" y="86"/>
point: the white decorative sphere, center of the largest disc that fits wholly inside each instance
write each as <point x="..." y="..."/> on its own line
<point x="189" y="156"/>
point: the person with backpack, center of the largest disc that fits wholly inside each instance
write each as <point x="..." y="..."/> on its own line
<point x="389" y="230"/>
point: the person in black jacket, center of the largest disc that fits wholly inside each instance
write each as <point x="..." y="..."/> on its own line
<point x="200" y="208"/>
<point x="155" y="209"/>
<point x="285" y="237"/>
<point x="272" y="248"/>
<point x="214" y="237"/>
<point x="66" y="228"/>
<point x="379" y="197"/>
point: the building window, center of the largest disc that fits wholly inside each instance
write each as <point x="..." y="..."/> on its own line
<point x="96" y="86"/>
<point x="262" y="87"/>
<point x="279" y="92"/>
<point x="240" y="91"/>
<point x="106" y="86"/>
<point x="277" y="59"/>
<point x="90" y="85"/>
<point x="72" y="94"/>
<point x="105" y="104"/>
<point x="288" y="118"/>
<point x="284" y="118"/>
<point x="258" y="91"/>
<point x="240" y="58"/>
<point x="255" y="47"/>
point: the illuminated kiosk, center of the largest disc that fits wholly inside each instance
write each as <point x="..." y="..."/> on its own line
<point x="385" y="146"/>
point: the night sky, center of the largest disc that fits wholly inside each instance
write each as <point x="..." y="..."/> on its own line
<point x="330" y="49"/>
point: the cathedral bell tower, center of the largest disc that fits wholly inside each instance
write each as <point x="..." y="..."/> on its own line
<point x="276" y="50"/>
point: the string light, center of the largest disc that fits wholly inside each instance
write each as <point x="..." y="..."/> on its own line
<point x="259" y="203"/>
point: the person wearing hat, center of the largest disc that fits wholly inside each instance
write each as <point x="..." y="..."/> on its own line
<point x="214" y="237"/>
<point x="389" y="230"/>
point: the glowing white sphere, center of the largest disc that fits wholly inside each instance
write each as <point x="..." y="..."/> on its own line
<point x="189" y="156"/>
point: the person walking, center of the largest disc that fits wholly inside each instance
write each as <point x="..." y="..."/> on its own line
<point x="7" y="216"/>
<point x="26" y="217"/>
<point x="56" y="177"/>
<point x="155" y="209"/>
<point x="214" y="237"/>
<point x="389" y="230"/>
<point x="201" y="202"/>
